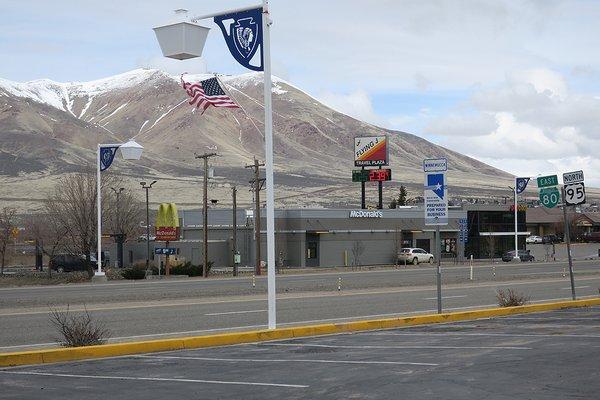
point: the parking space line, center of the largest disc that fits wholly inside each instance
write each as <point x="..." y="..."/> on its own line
<point x="576" y="287"/>
<point x="137" y="378"/>
<point x="398" y="347"/>
<point x="236" y="312"/>
<point x="277" y="360"/>
<point x="545" y="318"/>
<point x="480" y="334"/>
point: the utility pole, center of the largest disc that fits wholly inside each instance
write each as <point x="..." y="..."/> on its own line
<point x="234" y="235"/>
<point x="257" y="185"/>
<point x="147" y="188"/>
<point x="205" y="156"/>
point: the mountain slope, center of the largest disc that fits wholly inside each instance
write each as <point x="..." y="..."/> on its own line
<point x="49" y="128"/>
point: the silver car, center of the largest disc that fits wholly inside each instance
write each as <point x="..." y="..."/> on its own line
<point x="414" y="256"/>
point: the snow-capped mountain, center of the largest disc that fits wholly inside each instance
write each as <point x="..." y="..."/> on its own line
<point x="50" y="128"/>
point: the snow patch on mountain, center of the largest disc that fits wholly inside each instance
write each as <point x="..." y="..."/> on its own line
<point x="62" y="95"/>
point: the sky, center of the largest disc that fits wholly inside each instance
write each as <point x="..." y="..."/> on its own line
<point x="515" y="84"/>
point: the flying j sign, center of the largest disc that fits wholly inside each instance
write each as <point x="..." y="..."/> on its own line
<point x="370" y="151"/>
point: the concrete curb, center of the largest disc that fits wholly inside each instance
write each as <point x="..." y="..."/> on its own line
<point x="151" y="346"/>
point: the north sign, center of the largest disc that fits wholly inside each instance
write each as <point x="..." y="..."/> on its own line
<point x="572" y="177"/>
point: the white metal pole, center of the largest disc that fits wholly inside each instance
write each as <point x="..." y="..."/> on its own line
<point x="471" y="268"/>
<point x="269" y="168"/>
<point x="516" y="257"/>
<point x="99" y="212"/>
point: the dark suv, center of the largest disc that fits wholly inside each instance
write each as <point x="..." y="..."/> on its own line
<point x="524" y="255"/>
<point x="69" y="262"/>
<point x="551" y="239"/>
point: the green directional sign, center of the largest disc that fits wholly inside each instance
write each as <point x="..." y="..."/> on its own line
<point x="546" y="181"/>
<point x="549" y="196"/>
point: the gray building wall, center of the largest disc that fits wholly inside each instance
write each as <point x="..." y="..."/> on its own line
<point x="334" y="231"/>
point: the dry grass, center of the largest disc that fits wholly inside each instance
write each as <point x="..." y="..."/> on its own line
<point x="511" y="298"/>
<point x="31" y="278"/>
<point x="78" y="330"/>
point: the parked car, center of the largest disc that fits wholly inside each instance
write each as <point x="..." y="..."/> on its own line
<point x="550" y="239"/>
<point x="593" y="237"/>
<point x="69" y="262"/>
<point x="534" y="239"/>
<point x="414" y="256"/>
<point x="524" y="255"/>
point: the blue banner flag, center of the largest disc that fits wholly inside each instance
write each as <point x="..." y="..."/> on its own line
<point x="243" y="34"/>
<point x="522" y="184"/>
<point x="107" y="155"/>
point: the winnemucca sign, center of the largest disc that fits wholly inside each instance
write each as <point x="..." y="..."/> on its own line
<point x="365" y="214"/>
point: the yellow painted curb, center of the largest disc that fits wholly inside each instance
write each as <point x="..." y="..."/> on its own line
<point x="151" y="346"/>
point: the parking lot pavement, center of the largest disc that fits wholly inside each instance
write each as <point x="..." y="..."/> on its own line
<point x="552" y="355"/>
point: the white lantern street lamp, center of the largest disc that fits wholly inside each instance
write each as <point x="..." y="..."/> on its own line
<point x="105" y="155"/>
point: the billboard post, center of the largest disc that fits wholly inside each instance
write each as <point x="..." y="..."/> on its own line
<point x="371" y="151"/>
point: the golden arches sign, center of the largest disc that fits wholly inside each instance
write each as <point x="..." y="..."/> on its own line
<point x="167" y="222"/>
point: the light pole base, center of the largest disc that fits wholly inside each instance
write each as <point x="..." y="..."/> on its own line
<point x="99" y="277"/>
<point x="516" y="259"/>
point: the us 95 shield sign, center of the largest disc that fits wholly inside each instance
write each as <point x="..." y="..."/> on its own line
<point x="371" y="151"/>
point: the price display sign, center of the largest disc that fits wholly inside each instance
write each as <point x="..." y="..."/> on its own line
<point x="378" y="175"/>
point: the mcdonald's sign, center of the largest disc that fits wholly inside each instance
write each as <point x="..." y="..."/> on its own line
<point x="167" y="223"/>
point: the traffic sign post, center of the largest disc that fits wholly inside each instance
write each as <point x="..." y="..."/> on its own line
<point x="164" y="251"/>
<point x="573" y="192"/>
<point x="436" y="209"/>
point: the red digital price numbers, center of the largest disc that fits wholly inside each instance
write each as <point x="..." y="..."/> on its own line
<point x="378" y="175"/>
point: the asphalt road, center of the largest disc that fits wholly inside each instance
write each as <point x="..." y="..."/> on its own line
<point x="535" y="356"/>
<point x="194" y="288"/>
<point x="25" y="328"/>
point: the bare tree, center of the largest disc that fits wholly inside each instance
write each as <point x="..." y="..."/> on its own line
<point x="7" y="224"/>
<point x="48" y="232"/>
<point x="72" y="204"/>
<point x="358" y="248"/>
<point x="123" y="212"/>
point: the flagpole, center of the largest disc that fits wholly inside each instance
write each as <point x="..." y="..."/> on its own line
<point x="269" y="167"/>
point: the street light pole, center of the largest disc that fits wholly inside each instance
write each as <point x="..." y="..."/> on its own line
<point x="516" y="257"/>
<point x="183" y="50"/>
<point x="104" y="157"/>
<point x="147" y="188"/>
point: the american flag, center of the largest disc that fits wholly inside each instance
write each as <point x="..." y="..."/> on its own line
<point x="207" y="93"/>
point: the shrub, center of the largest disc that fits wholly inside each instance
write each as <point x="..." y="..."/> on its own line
<point x="134" y="273"/>
<point x="79" y="329"/>
<point x="189" y="269"/>
<point x="511" y="298"/>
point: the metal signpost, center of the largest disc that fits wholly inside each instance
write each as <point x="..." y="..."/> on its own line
<point x="436" y="208"/>
<point x="573" y="194"/>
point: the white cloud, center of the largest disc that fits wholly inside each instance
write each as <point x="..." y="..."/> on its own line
<point x="356" y="104"/>
<point x="541" y="126"/>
